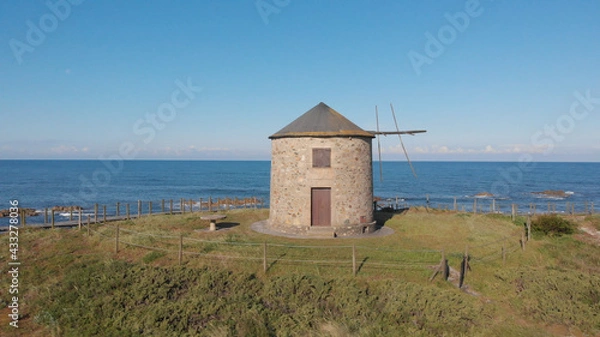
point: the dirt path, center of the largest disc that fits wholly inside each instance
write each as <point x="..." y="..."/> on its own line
<point x="592" y="232"/>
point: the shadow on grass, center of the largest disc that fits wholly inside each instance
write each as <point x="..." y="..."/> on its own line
<point x="362" y="263"/>
<point x="226" y="225"/>
<point x="270" y="265"/>
<point x="382" y="216"/>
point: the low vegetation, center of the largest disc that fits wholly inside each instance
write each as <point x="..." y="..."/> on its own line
<point x="552" y="224"/>
<point x="75" y="285"/>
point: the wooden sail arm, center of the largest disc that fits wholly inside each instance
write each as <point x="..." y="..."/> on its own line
<point x="409" y="132"/>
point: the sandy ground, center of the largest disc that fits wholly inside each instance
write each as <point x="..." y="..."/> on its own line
<point x="592" y="232"/>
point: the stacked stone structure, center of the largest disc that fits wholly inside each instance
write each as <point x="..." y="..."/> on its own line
<point x="322" y="176"/>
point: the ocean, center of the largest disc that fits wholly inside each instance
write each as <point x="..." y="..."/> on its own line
<point x="46" y="183"/>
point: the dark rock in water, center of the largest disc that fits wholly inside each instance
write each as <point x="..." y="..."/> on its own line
<point x="553" y="194"/>
<point x="4" y="213"/>
<point x="67" y="208"/>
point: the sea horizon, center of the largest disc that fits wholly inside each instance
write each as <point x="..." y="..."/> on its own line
<point x="45" y="183"/>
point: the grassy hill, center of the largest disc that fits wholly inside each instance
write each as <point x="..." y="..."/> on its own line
<point x="72" y="284"/>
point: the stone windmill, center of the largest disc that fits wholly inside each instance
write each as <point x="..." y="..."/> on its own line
<point x="322" y="175"/>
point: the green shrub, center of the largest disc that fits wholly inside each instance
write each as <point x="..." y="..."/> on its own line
<point x="123" y="299"/>
<point x="553" y="225"/>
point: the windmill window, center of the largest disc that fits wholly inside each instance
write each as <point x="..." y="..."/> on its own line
<point x="321" y="157"/>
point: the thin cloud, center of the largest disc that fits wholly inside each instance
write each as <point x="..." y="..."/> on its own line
<point x="488" y="149"/>
<point x="66" y="149"/>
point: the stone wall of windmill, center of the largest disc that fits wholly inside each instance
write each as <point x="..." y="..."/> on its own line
<point x="349" y="177"/>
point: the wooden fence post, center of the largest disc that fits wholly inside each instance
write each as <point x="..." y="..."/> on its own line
<point x="209" y="204"/>
<point x="95" y="213"/>
<point x="353" y="259"/>
<point x="118" y="209"/>
<point x="52" y="218"/>
<point x="503" y="252"/>
<point x="265" y="256"/>
<point x="139" y="209"/>
<point x="89" y="221"/>
<point x="79" y="220"/>
<point x="45" y="215"/>
<point x="117" y="240"/>
<point x="442" y="267"/>
<point x="528" y="227"/>
<point x="149" y="207"/>
<point x="493" y="205"/>
<point x="180" y="249"/>
<point x="191" y="206"/>
<point x="171" y="206"/>
<point x="71" y="213"/>
<point x="464" y="266"/>
<point x="513" y="212"/>
<point x="445" y="266"/>
<point x="474" y="206"/>
<point x="127" y="211"/>
<point x="181" y="206"/>
<point x="104" y="213"/>
<point x="522" y="241"/>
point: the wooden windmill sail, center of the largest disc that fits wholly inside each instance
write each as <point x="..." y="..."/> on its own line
<point x="379" y="133"/>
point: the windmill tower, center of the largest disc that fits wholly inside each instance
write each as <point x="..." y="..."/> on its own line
<point x="322" y="176"/>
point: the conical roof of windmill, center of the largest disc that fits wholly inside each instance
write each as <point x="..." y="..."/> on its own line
<point x="322" y="121"/>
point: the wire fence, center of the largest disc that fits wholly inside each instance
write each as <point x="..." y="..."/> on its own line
<point x="67" y="216"/>
<point x="354" y="258"/>
<point x="488" y="204"/>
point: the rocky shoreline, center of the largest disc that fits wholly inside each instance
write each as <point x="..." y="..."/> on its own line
<point x="553" y="194"/>
<point x="4" y="213"/>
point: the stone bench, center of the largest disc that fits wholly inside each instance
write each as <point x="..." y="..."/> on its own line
<point x="213" y="220"/>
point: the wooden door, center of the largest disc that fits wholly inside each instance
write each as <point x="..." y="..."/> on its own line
<point x="321" y="207"/>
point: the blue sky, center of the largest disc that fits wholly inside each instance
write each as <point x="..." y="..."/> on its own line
<point x="489" y="80"/>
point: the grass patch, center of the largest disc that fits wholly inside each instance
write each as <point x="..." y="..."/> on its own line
<point x="78" y="286"/>
<point x="152" y="256"/>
